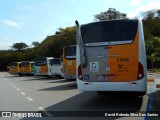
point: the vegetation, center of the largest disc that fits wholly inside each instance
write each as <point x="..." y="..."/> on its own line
<point x="110" y="14"/>
<point x="52" y="45"/>
<point x="151" y="23"/>
<point x="19" y="46"/>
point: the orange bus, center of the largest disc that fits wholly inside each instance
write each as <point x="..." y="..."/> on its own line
<point x="27" y="68"/>
<point x="15" y="68"/>
<point x="42" y="66"/>
<point x="111" y="56"/>
<point x="69" y="62"/>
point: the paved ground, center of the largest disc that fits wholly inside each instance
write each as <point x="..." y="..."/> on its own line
<point x="35" y="94"/>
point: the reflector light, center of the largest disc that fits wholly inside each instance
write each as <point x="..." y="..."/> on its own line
<point x="140" y="71"/>
<point x="80" y="72"/>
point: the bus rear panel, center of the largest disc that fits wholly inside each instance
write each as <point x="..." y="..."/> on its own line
<point x="111" y="56"/>
<point x="27" y="68"/>
<point x="56" y="67"/>
<point x="69" y="62"/>
<point x="15" y="68"/>
<point x="42" y="66"/>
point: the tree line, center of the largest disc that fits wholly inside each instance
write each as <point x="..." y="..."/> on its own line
<point x="52" y="46"/>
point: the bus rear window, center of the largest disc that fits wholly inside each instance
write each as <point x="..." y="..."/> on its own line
<point x="70" y="52"/>
<point x="13" y="65"/>
<point x="109" y="32"/>
<point x="25" y="64"/>
<point x="55" y="61"/>
<point x="40" y="61"/>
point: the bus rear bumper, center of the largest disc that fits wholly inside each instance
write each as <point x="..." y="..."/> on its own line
<point x="70" y="76"/>
<point x="43" y="74"/>
<point x="136" y="86"/>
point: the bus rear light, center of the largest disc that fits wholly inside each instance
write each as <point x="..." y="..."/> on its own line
<point x="140" y="71"/>
<point x="80" y="72"/>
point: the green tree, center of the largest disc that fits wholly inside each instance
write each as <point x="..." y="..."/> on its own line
<point x="35" y="43"/>
<point x="53" y="45"/>
<point x="19" y="46"/>
<point x="110" y="14"/>
<point x="151" y="22"/>
<point x="151" y="25"/>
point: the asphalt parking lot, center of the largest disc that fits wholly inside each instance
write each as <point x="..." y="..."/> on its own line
<point x="60" y="99"/>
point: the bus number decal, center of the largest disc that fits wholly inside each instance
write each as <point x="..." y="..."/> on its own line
<point x="122" y="59"/>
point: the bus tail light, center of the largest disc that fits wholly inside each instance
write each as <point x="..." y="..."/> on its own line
<point x="80" y="72"/>
<point x="140" y="71"/>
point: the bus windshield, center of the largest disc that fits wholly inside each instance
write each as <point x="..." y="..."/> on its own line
<point x="13" y="64"/>
<point x="25" y="64"/>
<point x="70" y="52"/>
<point x="109" y="32"/>
<point x="55" y="61"/>
<point x="40" y="61"/>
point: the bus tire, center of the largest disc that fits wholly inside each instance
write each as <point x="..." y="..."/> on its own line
<point x="59" y="76"/>
<point x="49" y="76"/>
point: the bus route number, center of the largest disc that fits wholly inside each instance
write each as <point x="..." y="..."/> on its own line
<point x="122" y="59"/>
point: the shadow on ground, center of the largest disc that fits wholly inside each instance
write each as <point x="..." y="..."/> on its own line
<point x="94" y="105"/>
<point x="69" y="86"/>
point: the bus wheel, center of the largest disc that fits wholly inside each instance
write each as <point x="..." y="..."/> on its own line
<point x="49" y="76"/>
<point x="20" y="74"/>
<point x="59" y="76"/>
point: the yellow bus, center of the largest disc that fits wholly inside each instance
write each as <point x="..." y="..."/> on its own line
<point x="27" y="68"/>
<point x="15" y="68"/>
<point x="69" y="62"/>
<point x="111" y="56"/>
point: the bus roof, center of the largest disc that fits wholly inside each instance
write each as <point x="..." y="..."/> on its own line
<point x="110" y="20"/>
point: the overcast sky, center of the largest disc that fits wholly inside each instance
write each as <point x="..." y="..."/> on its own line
<point x="32" y="20"/>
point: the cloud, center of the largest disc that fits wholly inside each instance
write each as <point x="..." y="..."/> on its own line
<point x="150" y="5"/>
<point x="135" y="2"/>
<point x="11" y="23"/>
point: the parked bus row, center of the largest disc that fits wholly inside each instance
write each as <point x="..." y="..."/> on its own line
<point x="48" y="66"/>
<point x="109" y="56"/>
